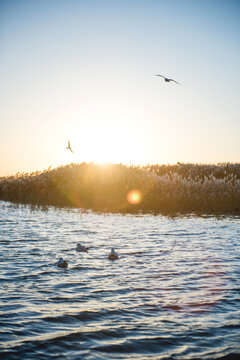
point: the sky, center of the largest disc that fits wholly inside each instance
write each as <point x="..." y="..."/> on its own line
<point x="85" y="71"/>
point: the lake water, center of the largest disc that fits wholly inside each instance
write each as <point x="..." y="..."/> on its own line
<point x="151" y="303"/>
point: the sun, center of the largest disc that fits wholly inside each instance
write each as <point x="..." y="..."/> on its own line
<point x="105" y="143"/>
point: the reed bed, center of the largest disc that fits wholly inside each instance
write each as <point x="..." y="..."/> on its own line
<point x="167" y="189"/>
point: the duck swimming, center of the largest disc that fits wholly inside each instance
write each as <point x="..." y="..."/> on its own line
<point x="62" y="263"/>
<point x="81" y="247"/>
<point x="113" y="255"/>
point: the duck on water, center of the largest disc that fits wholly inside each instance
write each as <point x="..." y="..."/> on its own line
<point x="113" y="255"/>
<point x="81" y="247"/>
<point x="62" y="263"/>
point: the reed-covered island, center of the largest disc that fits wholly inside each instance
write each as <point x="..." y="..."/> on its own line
<point x="167" y="189"/>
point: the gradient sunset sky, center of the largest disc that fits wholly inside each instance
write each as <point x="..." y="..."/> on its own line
<point x="85" y="71"/>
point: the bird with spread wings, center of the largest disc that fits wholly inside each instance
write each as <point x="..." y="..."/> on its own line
<point x="69" y="147"/>
<point x="167" y="79"/>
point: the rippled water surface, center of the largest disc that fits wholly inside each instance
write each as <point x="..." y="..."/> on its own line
<point x="151" y="303"/>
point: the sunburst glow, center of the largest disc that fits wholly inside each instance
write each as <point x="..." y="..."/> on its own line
<point x="106" y="143"/>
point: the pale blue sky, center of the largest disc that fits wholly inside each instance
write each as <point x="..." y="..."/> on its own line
<point x="84" y="70"/>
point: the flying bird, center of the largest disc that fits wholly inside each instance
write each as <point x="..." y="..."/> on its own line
<point x="168" y="80"/>
<point x="69" y="147"/>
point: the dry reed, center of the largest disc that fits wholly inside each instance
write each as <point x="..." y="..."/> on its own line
<point x="168" y="189"/>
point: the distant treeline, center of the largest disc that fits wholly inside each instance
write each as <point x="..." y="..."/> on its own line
<point x="167" y="189"/>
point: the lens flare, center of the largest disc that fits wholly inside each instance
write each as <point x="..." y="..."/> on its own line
<point x="134" y="197"/>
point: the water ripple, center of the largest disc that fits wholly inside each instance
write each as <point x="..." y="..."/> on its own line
<point x="157" y="301"/>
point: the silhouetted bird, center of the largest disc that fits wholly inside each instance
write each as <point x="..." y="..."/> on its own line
<point x="167" y="79"/>
<point x="69" y="147"/>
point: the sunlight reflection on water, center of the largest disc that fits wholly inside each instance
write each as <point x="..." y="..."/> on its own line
<point x="153" y="302"/>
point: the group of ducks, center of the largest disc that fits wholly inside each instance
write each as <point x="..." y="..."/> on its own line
<point x="81" y="248"/>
